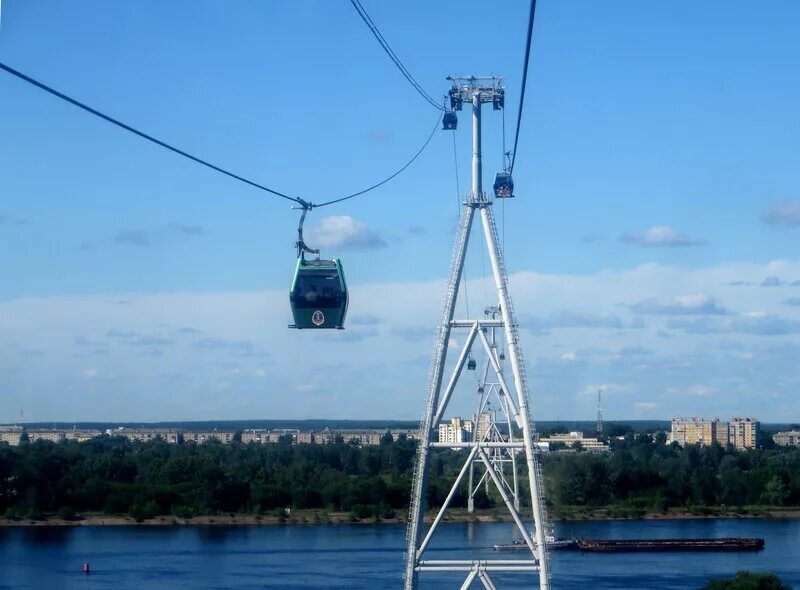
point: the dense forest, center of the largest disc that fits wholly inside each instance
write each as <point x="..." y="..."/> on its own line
<point x="114" y="476"/>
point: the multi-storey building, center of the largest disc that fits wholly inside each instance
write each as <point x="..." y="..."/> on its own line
<point x="146" y="434"/>
<point x="11" y="434"/>
<point x="699" y="431"/>
<point x="482" y="425"/>
<point x="256" y="436"/>
<point x="81" y="435"/>
<point x="362" y="436"/>
<point x="743" y="433"/>
<point x="51" y="435"/>
<point x="789" y="438"/>
<point x="453" y="432"/>
<point x="305" y="436"/>
<point x="202" y="436"/>
<point x="572" y="438"/>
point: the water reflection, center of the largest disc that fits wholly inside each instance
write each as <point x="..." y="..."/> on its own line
<point x="47" y="535"/>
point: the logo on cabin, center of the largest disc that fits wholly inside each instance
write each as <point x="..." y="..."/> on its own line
<point x="318" y="318"/>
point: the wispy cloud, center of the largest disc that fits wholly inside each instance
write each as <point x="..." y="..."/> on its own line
<point x="786" y="213"/>
<point x="187" y="230"/>
<point x="417" y="230"/>
<point x="380" y="135"/>
<point x="696" y="304"/>
<point x="414" y="334"/>
<point x="792" y="301"/>
<point x="133" y="237"/>
<point x="144" y="238"/>
<point x="759" y="324"/>
<point x="135" y="339"/>
<point x="572" y="319"/>
<point x="772" y="282"/>
<point x="342" y="231"/>
<point x="239" y="348"/>
<point x="592" y="237"/>
<point x="661" y="236"/>
<point x="366" y="319"/>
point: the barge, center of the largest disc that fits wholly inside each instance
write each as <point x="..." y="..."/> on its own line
<point x="627" y="545"/>
<point x="634" y="545"/>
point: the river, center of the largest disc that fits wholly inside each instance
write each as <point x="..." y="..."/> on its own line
<point x="364" y="556"/>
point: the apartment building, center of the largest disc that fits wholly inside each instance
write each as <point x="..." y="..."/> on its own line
<point x="202" y="436"/>
<point x="743" y="433"/>
<point x="788" y="438"/>
<point x="81" y="435"/>
<point x="453" y="432"/>
<point x="572" y="438"/>
<point x="146" y="434"/>
<point x="699" y="431"/>
<point x="42" y="434"/>
<point x="11" y="435"/>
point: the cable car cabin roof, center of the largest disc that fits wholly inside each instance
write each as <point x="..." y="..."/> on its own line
<point x="318" y="296"/>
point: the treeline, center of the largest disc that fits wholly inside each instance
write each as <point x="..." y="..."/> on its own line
<point x="647" y="474"/>
<point x="115" y="476"/>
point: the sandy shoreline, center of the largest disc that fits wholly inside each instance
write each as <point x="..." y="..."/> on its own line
<point x="337" y="518"/>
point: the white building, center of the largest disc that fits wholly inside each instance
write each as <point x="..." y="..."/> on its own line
<point x="11" y="435"/>
<point x="570" y="439"/>
<point x="454" y="432"/>
<point x="483" y="424"/>
<point x="789" y="438"/>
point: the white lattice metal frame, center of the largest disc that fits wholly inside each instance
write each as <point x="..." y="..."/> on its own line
<point x="514" y="401"/>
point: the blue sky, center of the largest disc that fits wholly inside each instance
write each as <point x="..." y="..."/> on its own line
<point x="657" y="181"/>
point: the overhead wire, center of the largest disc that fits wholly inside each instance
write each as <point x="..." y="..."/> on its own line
<point x="392" y="55"/>
<point x="388" y="178"/>
<point x="144" y="135"/>
<point x="302" y="202"/>
<point x="524" y="81"/>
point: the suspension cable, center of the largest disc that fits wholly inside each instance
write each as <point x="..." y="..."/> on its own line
<point x="524" y="81"/>
<point x="390" y="177"/>
<point x="302" y="202"/>
<point x="392" y="55"/>
<point x="143" y="135"/>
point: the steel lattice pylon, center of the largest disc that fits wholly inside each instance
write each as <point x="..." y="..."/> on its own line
<point x="471" y="90"/>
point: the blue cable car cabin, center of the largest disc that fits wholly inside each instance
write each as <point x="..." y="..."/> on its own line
<point x="318" y="297"/>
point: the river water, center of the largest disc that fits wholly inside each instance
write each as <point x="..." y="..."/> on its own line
<point x="365" y="556"/>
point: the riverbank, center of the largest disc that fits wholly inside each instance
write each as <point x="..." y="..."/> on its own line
<point x="317" y="517"/>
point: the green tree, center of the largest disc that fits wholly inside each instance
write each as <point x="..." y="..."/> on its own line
<point x="745" y="580"/>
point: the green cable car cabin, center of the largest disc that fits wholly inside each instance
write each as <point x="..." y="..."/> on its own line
<point x="319" y="295"/>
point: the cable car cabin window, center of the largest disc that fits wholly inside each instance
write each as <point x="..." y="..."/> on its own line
<point x="317" y="290"/>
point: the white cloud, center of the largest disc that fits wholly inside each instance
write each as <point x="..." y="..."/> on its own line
<point x="342" y="231"/>
<point x="661" y="236"/>
<point x="696" y="304"/>
<point x="385" y="375"/>
<point x="786" y="213"/>
<point x="90" y="373"/>
<point x="646" y="405"/>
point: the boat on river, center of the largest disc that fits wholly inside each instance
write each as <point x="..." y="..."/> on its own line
<point x="626" y="545"/>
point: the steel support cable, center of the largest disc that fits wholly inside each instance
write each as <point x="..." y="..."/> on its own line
<point x="524" y="81"/>
<point x="392" y="55"/>
<point x="303" y="203"/>
<point x="143" y="135"/>
<point x="388" y="178"/>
